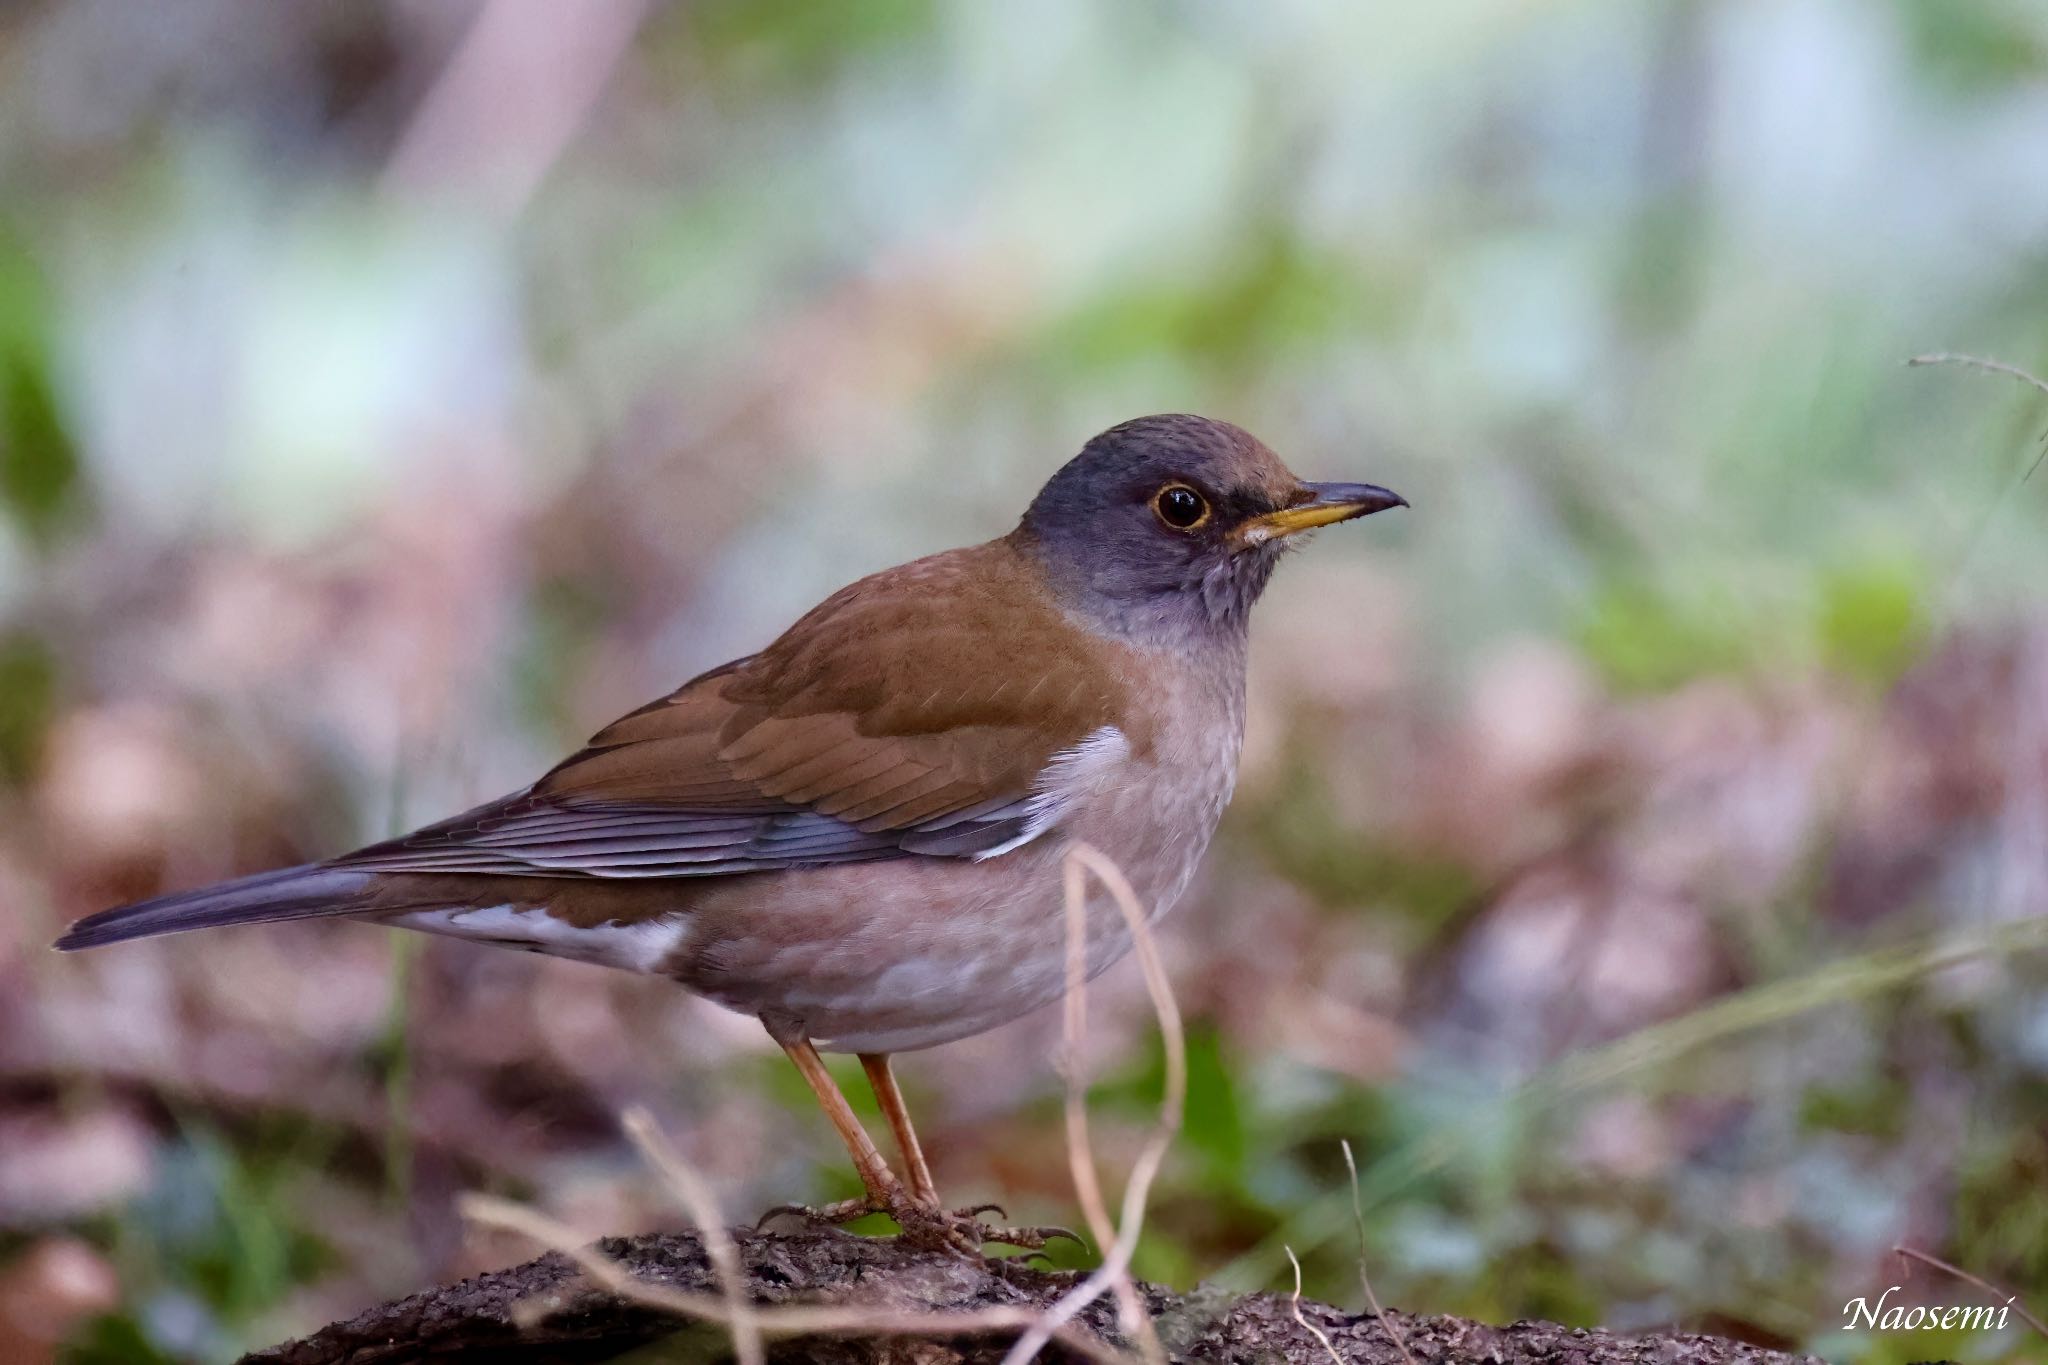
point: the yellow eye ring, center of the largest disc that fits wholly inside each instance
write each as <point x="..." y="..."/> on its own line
<point x="1180" y="508"/>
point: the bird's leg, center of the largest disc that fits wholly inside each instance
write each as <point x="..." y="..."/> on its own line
<point x="883" y="1082"/>
<point x="922" y="1186"/>
<point x="917" y="1213"/>
<point x="923" y="1223"/>
<point x="884" y="1190"/>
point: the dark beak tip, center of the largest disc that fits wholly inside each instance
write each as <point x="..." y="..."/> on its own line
<point x="1367" y="497"/>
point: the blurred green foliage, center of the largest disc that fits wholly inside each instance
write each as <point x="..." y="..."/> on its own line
<point x="29" y="680"/>
<point x="1968" y="45"/>
<point x="2001" y="1198"/>
<point x="39" y="473"/>
<point x="216" y="1242"/>
<point x="1277" y="298"/>
<point x="1873" y="619"/>
<point x="788" y="45"/>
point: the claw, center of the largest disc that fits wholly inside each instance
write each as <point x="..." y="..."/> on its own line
<point x="844" y="1211"/>
<point x="1033" y="1238"/>
<point x="1030" y="1238"/>
<point x="780" y="1211"/>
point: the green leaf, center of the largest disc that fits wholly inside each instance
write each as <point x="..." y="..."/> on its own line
<point x="39" y="470"/>
<point x="1213" y="1120"/>
<point x="1872" y="620"/>
<point x="28" y="700"/>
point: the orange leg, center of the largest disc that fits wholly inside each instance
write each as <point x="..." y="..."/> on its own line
<point x="880" y="1182"/>
<point x="883" y="1080"/>
<point x="915" y="1210"/>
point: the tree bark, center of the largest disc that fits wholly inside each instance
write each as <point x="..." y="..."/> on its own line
<point x="544" y="1312"/>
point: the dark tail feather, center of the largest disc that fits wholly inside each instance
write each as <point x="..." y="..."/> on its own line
<point x="291" y="893"/>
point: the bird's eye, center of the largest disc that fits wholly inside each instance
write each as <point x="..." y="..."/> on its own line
<point x="1180" y="507"/>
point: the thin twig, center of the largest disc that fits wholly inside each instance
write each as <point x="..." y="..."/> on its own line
<point x="1977" y="362"/>
<point x="1294" y="1302"/>
<point x="1364" y="1280"/>
<point x="781" y="1321"/>
<point x="1996" y="1291"/>
<point x="1114" y="1272"/>
<point x="1980" y="363"/>
<point x="702" y="1207"/>
<point x="1073" y="1065"/>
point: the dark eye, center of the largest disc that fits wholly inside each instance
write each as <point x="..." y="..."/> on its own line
<point x="1181" y="507"/>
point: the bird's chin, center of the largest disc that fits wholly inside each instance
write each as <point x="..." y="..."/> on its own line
<point x="1232" y="586"/>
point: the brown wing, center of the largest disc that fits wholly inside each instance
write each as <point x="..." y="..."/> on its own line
<point x="910" y="714"/>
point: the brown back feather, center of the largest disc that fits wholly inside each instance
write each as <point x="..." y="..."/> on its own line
<point x="919" y="691"/>
<point x="918" y="700"/>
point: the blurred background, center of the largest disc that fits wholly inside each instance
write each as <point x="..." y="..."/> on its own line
<point x="1642" y="846"/>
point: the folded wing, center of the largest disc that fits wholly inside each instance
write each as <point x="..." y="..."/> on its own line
<point x="917" y="713"/>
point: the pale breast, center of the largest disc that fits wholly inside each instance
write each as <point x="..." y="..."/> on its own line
<point x="1155" y="814"/>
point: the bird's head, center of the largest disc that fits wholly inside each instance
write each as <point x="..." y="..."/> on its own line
<point x="1169" y="526"/>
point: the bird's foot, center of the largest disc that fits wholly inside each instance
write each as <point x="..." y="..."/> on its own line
<point x="958" y="1231"/>
<point x="1030" y="1238"/>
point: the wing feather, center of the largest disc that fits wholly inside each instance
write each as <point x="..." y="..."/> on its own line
<point x="834" y="744"/>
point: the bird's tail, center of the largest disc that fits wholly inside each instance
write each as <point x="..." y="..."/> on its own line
<point x="290" y="893"/>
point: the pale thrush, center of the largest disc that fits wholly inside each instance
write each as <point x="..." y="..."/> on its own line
<point x="856" y="835"/>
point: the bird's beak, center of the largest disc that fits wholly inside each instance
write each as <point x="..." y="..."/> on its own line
<point x="1321" y="504"/>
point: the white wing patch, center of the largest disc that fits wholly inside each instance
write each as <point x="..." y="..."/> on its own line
<point x="1069" y="777"/>
<point x="641" y="947"/>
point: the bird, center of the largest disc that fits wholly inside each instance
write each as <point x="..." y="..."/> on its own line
<point x="857" y="834"/>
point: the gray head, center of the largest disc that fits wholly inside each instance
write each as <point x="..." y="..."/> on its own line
<point x="1168" y="527"/>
